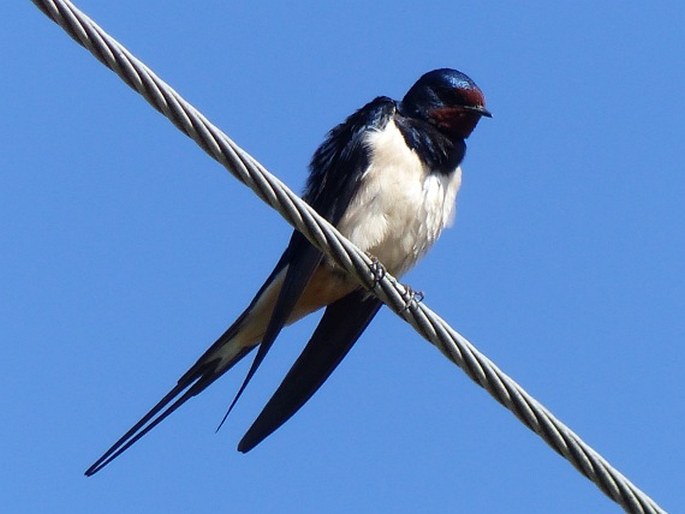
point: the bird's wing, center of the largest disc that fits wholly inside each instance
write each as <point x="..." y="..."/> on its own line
<point x="336" y="172"/>
<point x="304" y="261"/>
<point x="341" y="325"/>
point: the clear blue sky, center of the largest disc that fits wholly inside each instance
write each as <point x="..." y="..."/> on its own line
<point x="126" y="251"/>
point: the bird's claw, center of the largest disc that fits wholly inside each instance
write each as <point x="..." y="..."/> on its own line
<point x="377" y="270"/>
<point x="411" y="297"/>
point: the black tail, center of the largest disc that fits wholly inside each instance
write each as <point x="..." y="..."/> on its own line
<point x="196" y="380"/>
<point x="206" y="370"/>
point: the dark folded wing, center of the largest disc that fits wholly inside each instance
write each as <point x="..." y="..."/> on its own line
<point x="341" y="325"/>
<point x="335" y="176"/>
<point x="306" y="258"/>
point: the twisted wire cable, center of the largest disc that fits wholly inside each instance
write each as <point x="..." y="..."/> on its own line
<point x="325" y="237"/>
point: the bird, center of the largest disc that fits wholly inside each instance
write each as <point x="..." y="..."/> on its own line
<point x="387" y="179"/>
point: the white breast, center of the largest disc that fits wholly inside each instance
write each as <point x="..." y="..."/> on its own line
<point x="401" y="207"/>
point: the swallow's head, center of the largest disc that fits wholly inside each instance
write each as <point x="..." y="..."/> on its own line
<point x="447" y="99"/>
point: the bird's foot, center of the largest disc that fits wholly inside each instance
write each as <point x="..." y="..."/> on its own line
<point x="411" y="297"/>
<point x="377" y="270"/>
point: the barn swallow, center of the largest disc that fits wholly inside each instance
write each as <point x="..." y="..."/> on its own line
<point x="387" y="179"/>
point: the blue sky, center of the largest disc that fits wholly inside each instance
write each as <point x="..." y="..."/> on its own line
<point x="126" y="251"/>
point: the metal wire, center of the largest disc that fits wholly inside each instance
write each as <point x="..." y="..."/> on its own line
<point x="325" y="237"/>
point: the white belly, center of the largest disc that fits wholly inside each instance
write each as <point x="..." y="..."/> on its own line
<point x="401" y="207"/>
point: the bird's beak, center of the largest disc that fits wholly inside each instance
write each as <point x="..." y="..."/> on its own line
<point x="479" y="109"/>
